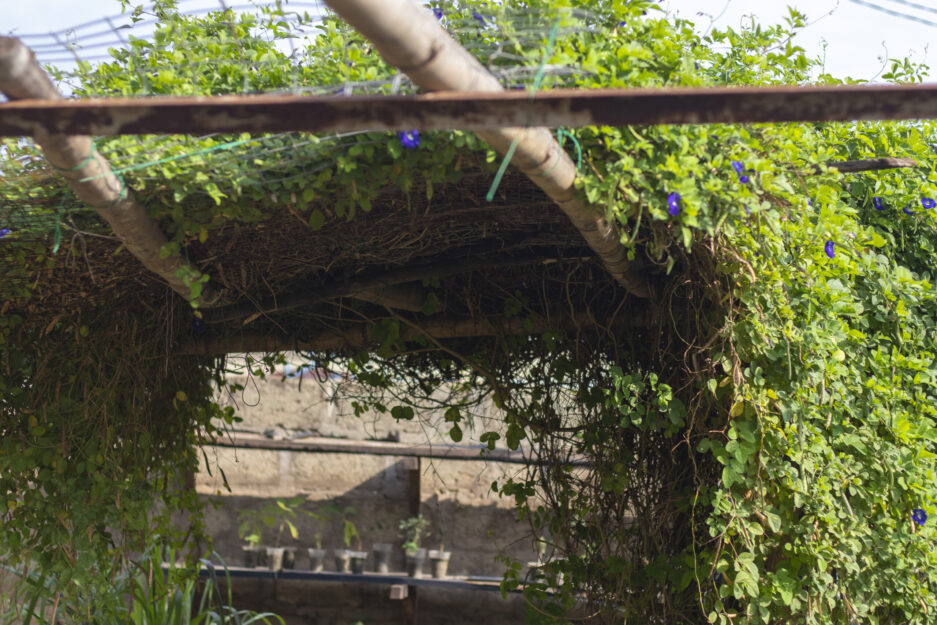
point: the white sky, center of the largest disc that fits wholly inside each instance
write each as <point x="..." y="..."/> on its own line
<point x="857" y="37"/>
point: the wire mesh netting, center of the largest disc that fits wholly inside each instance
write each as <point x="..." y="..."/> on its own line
<point x="199" y="47"/>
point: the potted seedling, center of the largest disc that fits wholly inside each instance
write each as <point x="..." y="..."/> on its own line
<point x="348" y="560"/>
<point x="316" y="554"/>
<point x="439" y="558"/>
<point x="279" y="514"/>
<point x="254" y="554"/>
<point x="412" y="529"/>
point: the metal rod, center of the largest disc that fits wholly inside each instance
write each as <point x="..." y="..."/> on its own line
<point x="469" y="453"/>
<point x="467" y="111"/>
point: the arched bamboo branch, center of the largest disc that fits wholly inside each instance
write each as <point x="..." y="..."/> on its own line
<point x="410" y="38"/>
<point x="90" y="175"/>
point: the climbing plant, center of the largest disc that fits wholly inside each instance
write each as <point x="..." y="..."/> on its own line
<point x="758" y="447"/>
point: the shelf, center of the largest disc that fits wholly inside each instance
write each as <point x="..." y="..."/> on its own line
<point x="384" y="579"/>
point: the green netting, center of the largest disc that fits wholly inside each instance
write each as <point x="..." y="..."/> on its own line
<point x="270" y="47"/>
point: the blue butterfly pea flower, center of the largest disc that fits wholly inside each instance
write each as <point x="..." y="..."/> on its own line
<point x="409" y="139"/>
<point x="4" y="232"/>
<point x="479" y="18"/>
<point x="740" y="171"/>
<point x="919" y="516"/>
<point x="830" y="249"/>
<point x="878" y="203"/>
<point x="928" y="203"/>
<point x="907" y="210"/>
<point x="437" y="12"/>
<point x="673" y="204"/>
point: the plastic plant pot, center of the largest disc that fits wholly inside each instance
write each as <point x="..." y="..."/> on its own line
<point x="382" y="553"/>
<point x="289" y="557"/>
<point x="275" y="557"/>
<point x="439" y="562"/>
<point x="254" y="556"/>
<point x="316" y="557"/>
<point x="357" y="561"/>
<point x="343" y="560"/>
<point x="415" y="559"/>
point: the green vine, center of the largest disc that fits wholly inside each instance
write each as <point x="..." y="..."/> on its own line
<point x="762" y="452"/>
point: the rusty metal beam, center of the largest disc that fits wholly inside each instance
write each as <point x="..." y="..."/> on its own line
<point x="374" y="448"/>
<point x="467" y="110"/>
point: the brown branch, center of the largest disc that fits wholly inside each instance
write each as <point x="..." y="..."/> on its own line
<point x="869" y="164"/>
<point x="359" y="336"/>
<point x="405" y="297"/>
<point x="360" y="287"/>
<point x="90" y="175"/>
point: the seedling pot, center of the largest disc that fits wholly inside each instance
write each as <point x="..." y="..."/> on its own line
<point x="316" y="556"/>
<point x="357" y="561"/>
<point x="254" y="556"/>
<point x="382" y="553"/>
<point x="275" y="557"/>
<point x="415" y="560"/>
<point x="343" y="560"/>
<point x="439" y="562"/>
<point x="280" y="558"/>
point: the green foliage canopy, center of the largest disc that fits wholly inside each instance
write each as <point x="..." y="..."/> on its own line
<point x="803" y="414"/>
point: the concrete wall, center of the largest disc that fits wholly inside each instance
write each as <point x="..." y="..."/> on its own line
<point x="456" y="497"/>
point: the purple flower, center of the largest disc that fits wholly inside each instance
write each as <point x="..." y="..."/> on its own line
<point x="4" y="232"/>
<point x="928" y="203"/>
<point x="878" y="204"/>
<point x="437" y="12"/>
<point x="907" y="209"/>
<point x="478" y="17"/>
<point x="409" y="139"/>
<point x="919" y="516"/>
<point x="673" y="204"/>
<point x="748" y="211"/>
<point x="829" y="249"/>
<point x="717" y="577"/>
<point x="740" y="171"/>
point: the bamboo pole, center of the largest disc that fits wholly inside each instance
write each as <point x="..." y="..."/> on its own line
<point x="410" y="38"/>
<point x="90" y="175"/>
